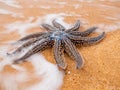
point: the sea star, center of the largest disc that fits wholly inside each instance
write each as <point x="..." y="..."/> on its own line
<point x="61" y="39"/>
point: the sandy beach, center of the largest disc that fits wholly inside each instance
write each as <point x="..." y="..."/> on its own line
<point x="101" y="69"/>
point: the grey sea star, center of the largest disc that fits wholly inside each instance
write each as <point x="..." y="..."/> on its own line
<point x="61" y="39"/>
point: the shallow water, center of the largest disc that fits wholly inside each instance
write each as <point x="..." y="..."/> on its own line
<point x="19" y="18"/>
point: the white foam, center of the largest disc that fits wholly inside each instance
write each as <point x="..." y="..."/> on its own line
<point x="21" y="26"/>
<point x="43" y="69"/>
<point x="108" y="28"/>
<point x="89" y="1"/>
<point x="105" y="7"/>
<point x="111" y="18"/>
<point x="61" y="3"/>
<point x="8" y="82"/>
<point x="59" y="18"/>
<point x="52" y="77"/>
<point x="13" y="14"/>
<point x="18" y="68"/>
<point x="12" y="3"/>
<point x="49" y="72"/>
<point x="45" y="7"/>
<point x="11" y="82"/>
<point x="5" y="61"/>
<point x="3" y="11"/>
<point x="8" y="59"/>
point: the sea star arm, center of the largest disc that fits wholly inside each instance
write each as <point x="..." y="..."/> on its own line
<point x="75" y="27"/>
<point x="31" y="36"/>
<point x="28" y="43"/>
<point x="58" y="54"/>
<point x="19" y="49"/>
<point x="42" y="45"/>
<point x="86" y="40"/>
<point x="58" y="25"/>
<point x="48" y="27"/>
<point x="83" y="33"/>
<point x="72" y="52"/>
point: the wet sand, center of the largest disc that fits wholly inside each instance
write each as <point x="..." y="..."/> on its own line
<point x="101" y="70"/>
